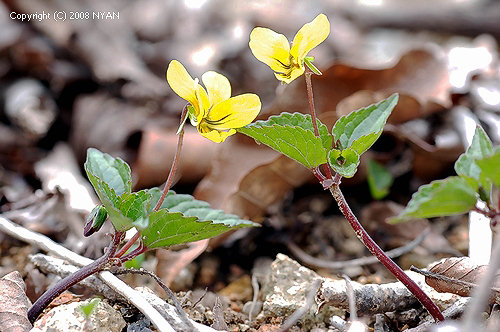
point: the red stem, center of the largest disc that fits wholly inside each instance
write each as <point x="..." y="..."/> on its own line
<point x="62" y="285"/>
<point x="168" y="185"/>
<point x="312" y="110"/>
<point x="382" y="257"/>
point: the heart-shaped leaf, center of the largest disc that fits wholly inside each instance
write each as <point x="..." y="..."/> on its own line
<point x="379" y="179"/>
<point x="293" y="135"/>
<point x="489" y="167"/>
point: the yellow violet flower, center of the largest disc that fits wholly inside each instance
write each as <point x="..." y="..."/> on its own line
<point x="212" y="111"/>
<point x="274" y="49"/>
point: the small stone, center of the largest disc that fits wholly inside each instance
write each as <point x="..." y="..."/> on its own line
<point x="69" y="317"/>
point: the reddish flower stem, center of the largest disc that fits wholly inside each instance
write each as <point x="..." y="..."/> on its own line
<point x="382" y="257"/>
<point x="168" y="185"/>
<point x="312" y="110"/>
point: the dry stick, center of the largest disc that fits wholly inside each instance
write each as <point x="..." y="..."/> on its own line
<point x="255" y="287"/>
<point x="168" y="185"/>
<point x="320" y="263"/>
<point x="481" y="294"/>
<point x="43" y="301"/>
<point x="46" y="244"/>
<point x="382" y="257"/>
<point x="182" y="315"/>
<point x="351" y="298"/>
<point x="297" y="315"/>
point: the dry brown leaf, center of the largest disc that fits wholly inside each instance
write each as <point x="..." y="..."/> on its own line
<point x="420" y="77"/>
<point x="246" y="178"/>
<point x="459" y="275"/>
<point x="14" y="304"/>
<point x="157" y="150"/>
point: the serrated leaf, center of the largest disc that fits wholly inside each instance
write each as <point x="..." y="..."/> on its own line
<point x="293" y="136"/>
<point x="379" y="179"/>
<point x="169" y="228"/>
<point x="344" y="162"/>
<point x="489" y="167"/>
<point x="185" y="219"/>
<point x="453" y="195"/>
<point x="480" y="147"/>
<point x="360" y="129"/>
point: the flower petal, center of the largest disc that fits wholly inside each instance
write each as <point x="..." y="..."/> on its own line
<point x="309" y="36"/>
<point x="218" y="87"/>
<point x="181" y="82"/>
<point x="217" y="136"/>
<point x="235" y="112"/>
<point x="271" y="48"/>
<point x="202" y="103"/>
<point x="290" y="75"/>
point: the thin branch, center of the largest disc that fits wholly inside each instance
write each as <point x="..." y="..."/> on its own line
<point x="119" y="286"/>
<point x="320" y="263"/>
<point x="180" y="312"/>
<point x="382" y="257"/>
<point x="297" y="315"/>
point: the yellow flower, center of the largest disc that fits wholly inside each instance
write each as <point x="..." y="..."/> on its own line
<point x="274" y="49"/>
<point x="213" y="111"/>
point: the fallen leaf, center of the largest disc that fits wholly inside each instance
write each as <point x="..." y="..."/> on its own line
<point x="459" y="275"/>
<point x="14" y="304"/>
<point x="420" y="77"/>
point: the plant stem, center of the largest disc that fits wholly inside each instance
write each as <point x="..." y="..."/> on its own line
<point x="168" y="185"/>
<point x="382" y="257"/>
<point x="97" y="265"/>
<point x="310" y="97"/>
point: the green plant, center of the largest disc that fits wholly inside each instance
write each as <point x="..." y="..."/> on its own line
<point x="476" y="180"/>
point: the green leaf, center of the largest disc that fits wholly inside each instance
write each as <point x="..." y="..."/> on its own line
<point x="183" y="219"/>
<point x="344" y="162"/>
<point x="480" y="147"/>
<point x="360" y="129"/>
<point x="453" y="195"/>
<point x="113" y="171"/>
<point x="489" y="167"/>
<point x="88" y="308"/>
<point x="308" y="61"/>
<point x="293" y="135"/>
<point x="379" y="179"/>
<point x="112" y="182"/>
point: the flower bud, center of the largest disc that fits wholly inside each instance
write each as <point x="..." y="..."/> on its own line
<point x="95" y="220"/>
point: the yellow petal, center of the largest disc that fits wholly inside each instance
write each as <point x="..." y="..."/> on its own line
<point x="218" y="136"/>
<point x="291" y="75"/>
<point x="202" y="103"/>
<point x="309" y="36"/>
<point x="271" y="48"/>
<point x="235" y="112"/>
<point x="218" y="87"/>
<point x="181" y="82"/>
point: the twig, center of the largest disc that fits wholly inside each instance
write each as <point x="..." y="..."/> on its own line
<point x="481" y="293"/>
<point x="255" y="287"/>
<point x="320" y="263"/>
<point x="382" y="257"/>
<point x="182" y="315"/>
<point x="119" y="286"/>
<point x="297" y="315"/>
<point x="351" y="298"/>
<point x="43" y="301"/>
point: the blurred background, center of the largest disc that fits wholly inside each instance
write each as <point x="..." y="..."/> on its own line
<point x="87" y="81"/>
